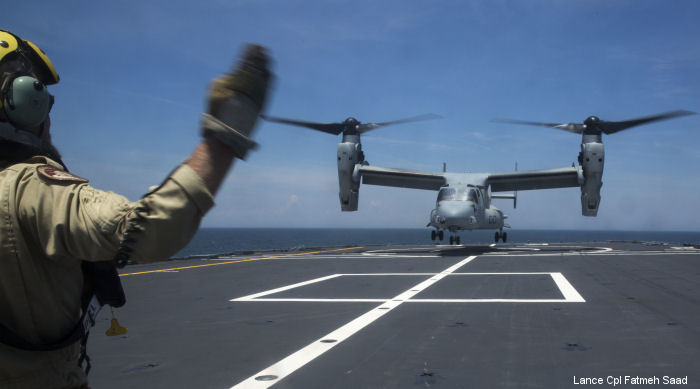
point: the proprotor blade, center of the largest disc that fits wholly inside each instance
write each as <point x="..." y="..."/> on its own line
<point x="570" y="127"/>
<point x="613" y="127"/>
<point x="330" y="128"/>
<point x="362" y="128"/>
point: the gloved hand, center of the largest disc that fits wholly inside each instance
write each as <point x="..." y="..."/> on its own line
<point x="235" y="101"/>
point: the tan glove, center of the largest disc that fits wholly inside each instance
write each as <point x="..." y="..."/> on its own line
<point x="235" y="101"/>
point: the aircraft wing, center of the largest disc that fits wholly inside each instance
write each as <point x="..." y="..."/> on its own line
<point x="536" y="179"/>
<point x="401" y="178"/>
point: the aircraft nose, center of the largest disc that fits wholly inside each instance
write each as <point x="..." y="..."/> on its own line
<point x="461" y="214"/>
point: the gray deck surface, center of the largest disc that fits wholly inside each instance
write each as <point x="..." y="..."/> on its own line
<point x="622" y="310"/>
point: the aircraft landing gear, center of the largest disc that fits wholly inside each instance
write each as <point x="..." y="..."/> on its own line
<point x="433" y="234"/>
<point x="436" y="234"/>
<point x="500" y="235"/>
<point x="454" y="239"/>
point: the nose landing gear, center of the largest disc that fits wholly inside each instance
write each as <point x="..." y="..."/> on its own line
<point x="454" y="239"/>
<point x="436" y="234"/>
<point x="439" y="234"/>
<point x="501" y="235"/>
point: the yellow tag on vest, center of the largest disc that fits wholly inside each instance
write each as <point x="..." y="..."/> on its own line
<point x="115" y="329"/>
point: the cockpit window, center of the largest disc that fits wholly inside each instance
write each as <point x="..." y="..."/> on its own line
<point x="458" y="194"/>
<point x="447" y="194"/>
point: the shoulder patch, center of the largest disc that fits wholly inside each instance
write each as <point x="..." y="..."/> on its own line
<point x="53" y="174"/>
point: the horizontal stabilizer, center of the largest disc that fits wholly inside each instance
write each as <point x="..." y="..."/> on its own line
<point x="513" y="197"/>
<point x="503" y="196"/>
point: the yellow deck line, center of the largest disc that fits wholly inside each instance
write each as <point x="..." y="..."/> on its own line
<point x="239" y="260"/>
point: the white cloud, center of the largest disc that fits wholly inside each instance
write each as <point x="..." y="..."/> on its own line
<point x="292" y="202"/>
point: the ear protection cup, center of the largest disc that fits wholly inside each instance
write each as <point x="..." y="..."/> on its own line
<point x="26" y="102"/>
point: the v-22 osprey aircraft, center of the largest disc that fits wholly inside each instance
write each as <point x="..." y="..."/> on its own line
<point x="464" y="199"/>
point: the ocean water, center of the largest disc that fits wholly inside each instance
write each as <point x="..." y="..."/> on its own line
<point x="212" y="241"/>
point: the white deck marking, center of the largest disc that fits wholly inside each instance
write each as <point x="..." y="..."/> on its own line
<point x="293" y="362"/>
<point x="687" y="248"/>
<point x="282" y="289"/>
<point x="570" y="294"/>
<point x="342" y="300"/>
<point x="389" y="274"/>
<point x="567" y="290"/>
<point x="602" y="251"/>
<point x="314" y="300"/>
<point x="491" y="301"/>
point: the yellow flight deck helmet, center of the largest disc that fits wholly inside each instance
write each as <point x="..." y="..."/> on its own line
<point x="25" y="71"/>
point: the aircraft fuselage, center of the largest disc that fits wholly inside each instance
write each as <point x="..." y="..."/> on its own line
<point x="465" y="207"/>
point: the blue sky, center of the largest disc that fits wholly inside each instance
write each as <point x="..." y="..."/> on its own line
<point x="134" y="77"/>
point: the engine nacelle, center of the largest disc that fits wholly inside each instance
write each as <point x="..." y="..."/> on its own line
<point x="592" y="159"/>
<point x="349" y="154"/>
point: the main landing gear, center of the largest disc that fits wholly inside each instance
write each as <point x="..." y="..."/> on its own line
<point x="501" y="235"/>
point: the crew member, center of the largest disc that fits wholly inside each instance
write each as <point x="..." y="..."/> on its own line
<point x="60" y="238"/>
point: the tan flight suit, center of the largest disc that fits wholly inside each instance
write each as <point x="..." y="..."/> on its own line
<point x="50" y="221"/>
